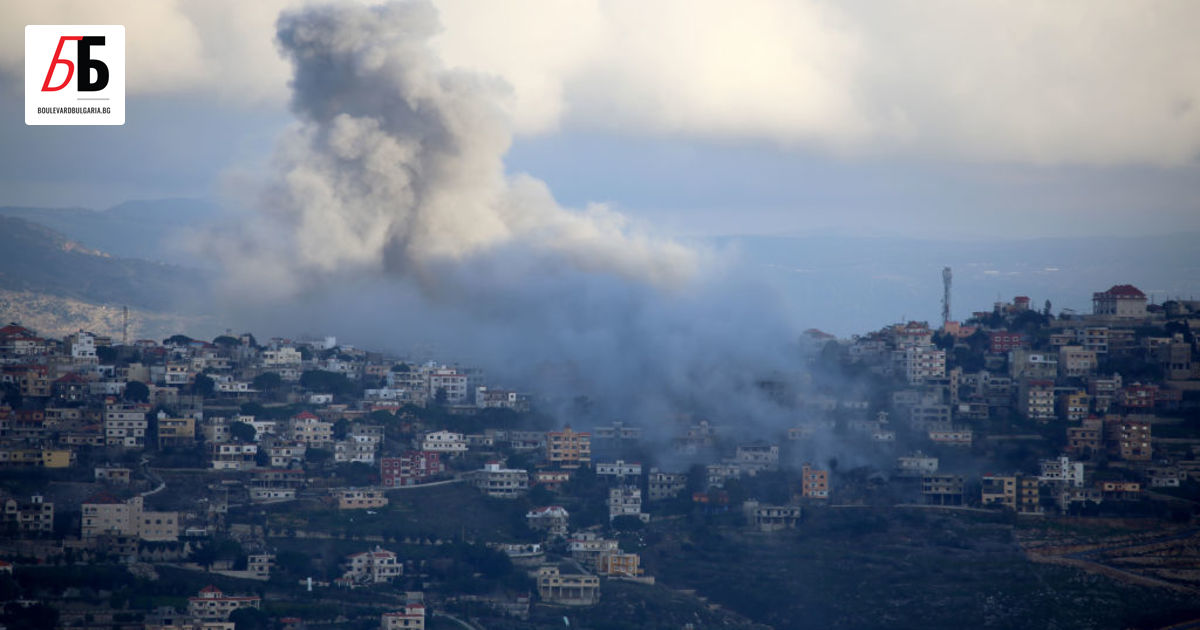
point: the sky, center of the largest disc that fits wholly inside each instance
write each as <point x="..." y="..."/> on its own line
<point x="926" y="118"/>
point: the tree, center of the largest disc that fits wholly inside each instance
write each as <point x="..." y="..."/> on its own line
<point x="628" y="523"/>
<point x="242" y="431"/>
<point x="401" y="367"/>
<point x="341" y="428"/>
<point x="267" y="382"/>
<point x="136" y="391"/>
<point x="203" y="385"/>
<point x="227" y="341"/>
<point x="177" y="340"/>
<point x="318" y="455"/>
<point x="440" y="397"/>
<point x="250" y="619"/>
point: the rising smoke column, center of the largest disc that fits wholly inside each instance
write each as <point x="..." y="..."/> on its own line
<point x="395" y="171"/>
<point x="396" y="166"/>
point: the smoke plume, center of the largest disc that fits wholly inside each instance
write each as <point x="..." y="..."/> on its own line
<point x="390" y="199"/>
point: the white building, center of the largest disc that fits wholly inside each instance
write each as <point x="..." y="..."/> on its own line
<point x="1062" y="470"/>
<point x="499" y="482"/>
<point x="372" y="567"/>
<point x="444" y="442"/>
<point x="626" y="501"/>
<point x="619" y="469"/>
<point x="125" y="425"/>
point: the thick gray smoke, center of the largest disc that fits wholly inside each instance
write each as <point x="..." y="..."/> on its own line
<point x="397" y="165"/>
<point x="390" y="195"/>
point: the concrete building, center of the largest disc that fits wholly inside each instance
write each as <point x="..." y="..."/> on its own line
<point x="943" y="489"/>
<point x="568" y="589"/>
<point x="211" y="603"/>
<point x="410" y="468"/>
<point x="661" y="486"/>
<point x="410" y="617"/>
<point x="1121" y="301"/>
<point x="916" y="465"/>
<point x="355" y="499"/>
<point x="619" y="469"/>
<point x="32" y="517"/>
<point x="499" y="482"/>
<point x="553" y="519"/>
<point x="104" y="514"/>
<point x="569" y="449"/>
<point x="447" y="442"/>
<point x="814" y="482"/>
<point x="125" y="425"/>
<point x="625" y="501"/>
<point x="1076" y="361"/>
<point x="1062" y="470"/>
<point x="1035" y="399"/>
<point x="371" y="567"/>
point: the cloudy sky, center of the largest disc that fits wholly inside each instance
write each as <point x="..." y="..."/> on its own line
<point x="941" y="118"/>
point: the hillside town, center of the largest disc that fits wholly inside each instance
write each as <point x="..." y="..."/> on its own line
<point x="239" y="484"/>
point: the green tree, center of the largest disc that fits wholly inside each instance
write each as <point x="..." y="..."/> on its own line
<point x="242" y="431"/>
<point x="136" y="391"/>
<point x="203" y="385"/>
<point x="177" y="340"/>
<point x="226" y="341"/>
<point x="250" y="619"/>
<point x="267" y="382"/>
<point x="341" y="428"/>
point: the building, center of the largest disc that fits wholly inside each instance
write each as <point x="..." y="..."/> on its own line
<point x="175" y="431"/>
<point x="211" y="603"/>
<point x="371" y="567"/>
<point x="1035" y="399"/>
<point x="626" y="501"/>
<point x="501" y="483"/>
<point x="410" y="617"/>
<point x="943" y="489"/>
<point x="1073" y="404"/>
<point x="569" y="449"/>
<point x="125" y="425"/>
<point x="922" y="363"/>
<point x="569" y="589"/>
<point x="754" y="457"/>
<point x="1032" y="364"/>
<point x="259" y="565"/>
<point x="1086" y="439"/>
<point x="620" y="565"/>
<point x="410" y="468"/>
<point x="916" y="465"/>
<point x="1076" y="361"/>
<point x="772" y="518"/>
<point x="618" y="469"/>
<point x="618" y="432"/>
<point x="661" y="486"/>
<point x="447" y="442"/>
<point x="952" y="436"/>
<point x="1128" y="437"/>
<point x="553" y="519"/>
<point x="307" y="428"/>
<point x="355" y="499"/>
<point x="104" y="514"/>
<point x="36" y="516"/>
<point x="814" y="483"/>
<point x="448" y="384"/>
<point x="1003" y="341"/>
<point x="1063" y="471"/>
<point x="1121" y="301"/>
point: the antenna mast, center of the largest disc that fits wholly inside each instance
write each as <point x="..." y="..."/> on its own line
<point x="946" y="276"/>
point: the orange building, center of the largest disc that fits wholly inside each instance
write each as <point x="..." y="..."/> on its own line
<point x="814" y="483"/>
<point x="568" y="449"/>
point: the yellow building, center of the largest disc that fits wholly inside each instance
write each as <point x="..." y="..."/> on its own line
<point x="620" y="564"/>
<point x="568" y="449"/>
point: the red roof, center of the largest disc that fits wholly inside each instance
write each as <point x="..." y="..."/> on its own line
<point x="103" y="498"/>
<point x="210" y="589"/>
<point x="306" y="415"/>
<point x="1124" y="290"/>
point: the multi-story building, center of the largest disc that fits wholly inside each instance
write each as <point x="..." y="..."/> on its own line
<point x="306" y="427"/>
<point x="104" y="514"/>
<point x="1035" y="399"/>
<point x="175" y="431"/>
<point x="921" y="363"/>
<point x="1086" y="439"/>
<point x="916" y="465"/>
<point x="1103" y="391"/>
<point x="356" y="499"/>
<point x="569" y="589"/>
<point x="754" y="457"/>
<point x="625" y="501"/>
<point x="1076" y="361"/>
<point x="1128" y="437"/>
<point x="450" y="384"/>
<point x="502" y="483"/>
<point x="410" y="617"/>
<point x="952" y="436"/>
<point x="36" y="516"/>
<point x="372" y="567"/>
<point x="1073" y="404"/>
<point x="125" y="425"/>
<point x="620" y="565"/>
<point x="1003" y="341"/>
<point x="1062" y="470"/>
<point x="618" y="431"/>
<point x="1019" y="493"/>
<point x="1032" y="364"/>
<point x="552" y="519"/>
<point x="618" y="469"/>
<point x="447" y="442"/>
<point x="410" y="468"/>
<point x="661" y="485"/>
<point x="211" y="603"/>
<point x="814" y="482"/>
<point x="943" y="489"/>
<point x="569" y="449"/>
<point x="1122" y="301"/>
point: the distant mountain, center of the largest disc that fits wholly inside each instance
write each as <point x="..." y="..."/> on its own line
<point x="151" y="230"/>
<point x="37" y="259"/>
